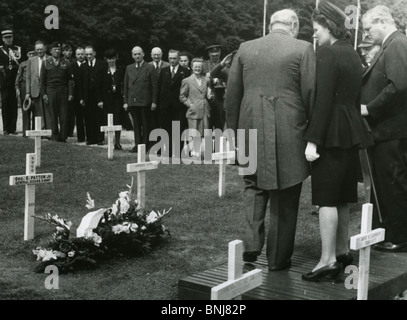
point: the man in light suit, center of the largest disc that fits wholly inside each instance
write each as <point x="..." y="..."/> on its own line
<point x="384" y="104"/>
<point x="33" y="84"/>
<point x="169" y="106"/>
<point x="140" y="96"/>
<point x="271" y="87"/>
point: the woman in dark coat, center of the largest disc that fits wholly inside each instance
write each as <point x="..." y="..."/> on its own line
<point x="113" y="92"/>
<point x="335" y="134"/>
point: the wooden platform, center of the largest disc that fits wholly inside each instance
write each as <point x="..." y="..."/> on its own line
<point x="388" y="277"/>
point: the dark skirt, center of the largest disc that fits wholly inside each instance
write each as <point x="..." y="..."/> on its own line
<point x="334" y="177"/>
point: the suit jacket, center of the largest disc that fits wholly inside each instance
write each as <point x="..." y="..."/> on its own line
<point x="140" y="85"/>
<point x="384" y="90"/>
<point x="271" y="88"/>
<point x="77" y="77"/>
<point x="163" y="65"/>
<point x="92" y="83"/>
<point x="194" y="94"/>
<point x="169" y="88"/>
<point x="336" y="120"/>
<point x="33" y="82"/>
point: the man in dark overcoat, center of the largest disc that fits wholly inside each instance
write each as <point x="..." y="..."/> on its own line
<point x="384" y="103"/>
<point x="270" y="89"/>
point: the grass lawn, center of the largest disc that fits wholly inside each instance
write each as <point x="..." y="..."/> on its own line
<point x="201" y="224"/>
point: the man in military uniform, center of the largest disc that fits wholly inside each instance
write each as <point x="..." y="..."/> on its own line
<point x="57" y="90"/>
<point x="217" y="86"/>
<point x="9" y="62"/>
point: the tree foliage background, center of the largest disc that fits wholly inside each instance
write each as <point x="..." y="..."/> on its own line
<point x="171" y="24"/>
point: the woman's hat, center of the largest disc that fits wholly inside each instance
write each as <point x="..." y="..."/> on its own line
<point x="332" y="12"/>
<point x="27" y="104"/>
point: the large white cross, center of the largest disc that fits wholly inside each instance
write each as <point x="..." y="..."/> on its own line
<point x="363" y="242"/>
<point x="38" y="134"/>
<point x="110" y="129"/>
<point x="238" y="283"/>
<point x="30" y="179"/>
<point x="222" y="158"/>
<point x="141" y="167"/>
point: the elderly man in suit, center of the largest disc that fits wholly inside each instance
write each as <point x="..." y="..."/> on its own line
<point x="92" y="96"/>
<point x="384" y="104"/>
<point x="169" y="106"/>
<point x="271" y="87"/>
<point x="33" y="84"/>
<point x="159" y="64"/>
<point x="78" y="112"/>
<point x="21" y="88"/>
<point x="140" y="95"/>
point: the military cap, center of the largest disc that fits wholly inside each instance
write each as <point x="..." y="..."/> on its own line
<point x="366" y="43"/>
<point x="214" y="48"/>
<point x="331" y="12"/>
<point x="7" y="33"/>
<point x="55" y="44"/>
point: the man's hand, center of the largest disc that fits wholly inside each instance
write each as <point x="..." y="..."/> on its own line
<point x="153" y="106"/>
<point x="125" y="106"/>
<point x="70" y="97"/>
<point x="364" y="110"/>
<point x="100" y="105"/>
<point x="45" y="98"/>
<point x="311" y="152"/>
<point x="82" y="102"/>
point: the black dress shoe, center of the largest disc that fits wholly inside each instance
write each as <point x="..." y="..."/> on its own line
<point x="283" y="266"/>
<point x="250" y="256"/>
<point x="134" y="150"/>
<point x="328" y="273"/>
<point x="388" y="246"/>
<point x="345" y="259"/>
<point x="101" y="143"/>
<point x="117" y="146"/>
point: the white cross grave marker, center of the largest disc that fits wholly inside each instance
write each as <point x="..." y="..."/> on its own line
<point x="110" y="129"/>
<point x="363" y="242"/>
<point x="238" y="283"/>
<point x="222" y="158"/>
<point x="38" y="134"/>
<point x="30" y="180"/>
<point x="141" y="167"/>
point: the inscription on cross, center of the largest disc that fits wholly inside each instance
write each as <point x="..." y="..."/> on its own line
<point x="38" y="134"/>
<point x="30" y="179"/>
<point x="363" y="242"/>
<point x="140" y="168"/>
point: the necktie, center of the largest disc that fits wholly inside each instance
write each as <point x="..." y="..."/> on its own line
<point x="172" y="72"/>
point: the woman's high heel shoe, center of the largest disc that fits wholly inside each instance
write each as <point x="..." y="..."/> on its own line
<point x="345" y="259"/>
<point x="328" y="273"/>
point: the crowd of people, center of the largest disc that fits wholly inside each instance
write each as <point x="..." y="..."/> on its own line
<point x="70" y="87"/>
<point x="313" y="112"/>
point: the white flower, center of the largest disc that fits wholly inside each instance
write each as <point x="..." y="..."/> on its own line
<point x="97" y="240"/>
<point x="44" y="255"/>
<point x="118" y="228"/>
<point x="134" y="227"/>
<point x="90" y="203"/>
<point x="126" y="229"/>
<point x="152" y="217"/>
